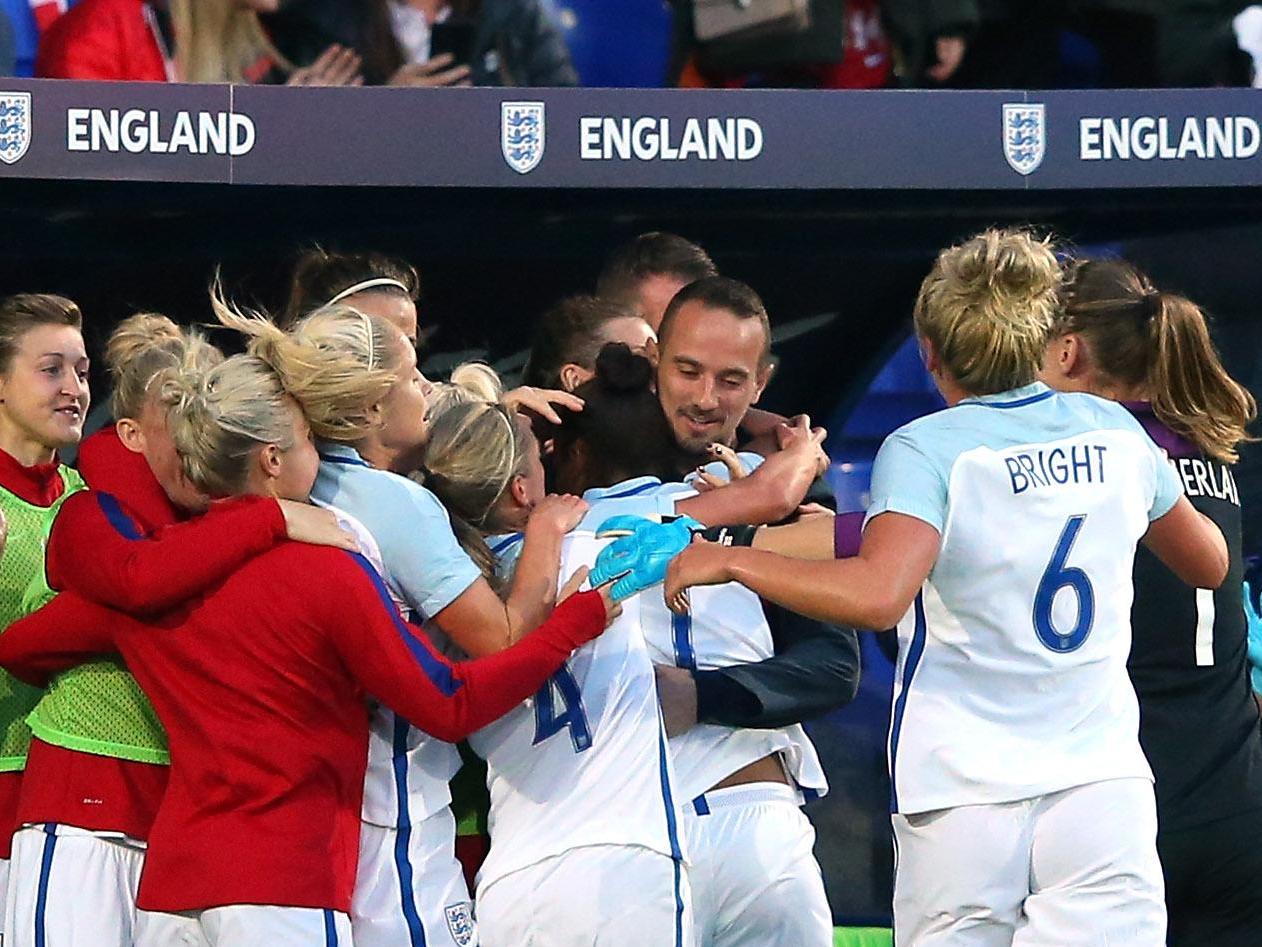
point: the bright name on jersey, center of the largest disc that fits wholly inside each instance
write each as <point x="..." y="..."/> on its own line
<point x="1147" y="136"/>
<point x="139" y="131"/>
<point x="1079" y="463"/>
<point x="655" y="139"/>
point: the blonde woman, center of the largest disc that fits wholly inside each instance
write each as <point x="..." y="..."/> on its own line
<point x="1000" y="541"/>
<point x="179" y="41"/>
<point x="262" y="695"/>
<point x="1122" y="338"/>
<point x="97" y="767"/>
<point x="371" y="428"/>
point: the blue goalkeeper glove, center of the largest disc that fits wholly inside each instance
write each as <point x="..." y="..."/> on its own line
<point x="1254" y="620"/>
<point x="641" y="553"/>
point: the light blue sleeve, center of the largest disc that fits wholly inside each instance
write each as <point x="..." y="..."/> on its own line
<point x="907" y="480"/>
<point x="1169" y="486"/>
<point x="422" y="557"/>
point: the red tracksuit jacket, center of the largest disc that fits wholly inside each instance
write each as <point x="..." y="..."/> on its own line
<point x="93" y="551"/>
<point x="262" y="686"/>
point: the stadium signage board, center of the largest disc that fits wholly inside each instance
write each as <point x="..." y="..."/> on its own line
<point x="630" y="138"/>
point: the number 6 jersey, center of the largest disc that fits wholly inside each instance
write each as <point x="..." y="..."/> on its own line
<point x="583" y="762"/>
<point x="1011" y="679"/>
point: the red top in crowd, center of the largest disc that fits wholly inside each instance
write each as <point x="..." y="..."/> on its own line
<point x="105" y="40"/>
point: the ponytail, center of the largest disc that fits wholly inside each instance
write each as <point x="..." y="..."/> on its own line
<point x="473" y="453"/>
<point x="473" y="542"/>
<point x="470" y="382"/>
<point x="1158" y="342"/>
<point x="337" y="362"/>
<point x="141" y="348"/>
<point x="1191" y="391"/>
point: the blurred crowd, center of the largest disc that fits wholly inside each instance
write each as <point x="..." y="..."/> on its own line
<point x="842" y="44"/>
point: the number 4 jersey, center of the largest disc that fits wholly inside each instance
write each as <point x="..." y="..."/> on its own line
<point x="1011" y="679"/>
<point x="583" y="762"/>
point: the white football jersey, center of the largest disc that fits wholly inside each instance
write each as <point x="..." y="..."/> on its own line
<point x="1011" y="680"/>
<point x="725" y="626"/>
<point x="583" y="762"/>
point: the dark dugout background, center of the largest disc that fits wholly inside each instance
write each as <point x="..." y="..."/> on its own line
<point x="838" y="270"/>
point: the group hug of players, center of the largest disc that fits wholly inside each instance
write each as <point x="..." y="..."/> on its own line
<point x="243" y="637"/>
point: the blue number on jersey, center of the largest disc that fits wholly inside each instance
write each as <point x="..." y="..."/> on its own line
<point x="1056" y="577"/>
<point x="549" y="723"/>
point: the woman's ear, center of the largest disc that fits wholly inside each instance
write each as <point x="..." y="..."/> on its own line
<point x="933" y="362"/>
<point x="271" y="461"/>
<point x="572" y="375"/>
<point x="1065" y="358"/>
<point x="517" y="491"/>
<point x="128" y="431"/>
<point x="1072" y="355"/>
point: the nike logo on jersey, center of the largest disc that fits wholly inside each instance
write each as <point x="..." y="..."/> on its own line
<point x="1081" y="463"/>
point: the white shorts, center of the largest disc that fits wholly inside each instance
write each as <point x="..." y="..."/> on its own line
<point x="597" y="896"/>
<point x="70" y="886"/>
<point x="1076" y="868"/>
<point x="410" y="889"/>
<point x="4" y="893"/>
<point x="755" y="881"/>
<point x="251" y="925"/>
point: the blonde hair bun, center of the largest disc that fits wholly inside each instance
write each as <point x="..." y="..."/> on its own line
<point x="144" y="347"/>
<point x="988" y="306"/>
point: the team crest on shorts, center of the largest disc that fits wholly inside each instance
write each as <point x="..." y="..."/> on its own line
<point x="15" y="125"/>
<point x="1024" y="137"/>
<point x="460" y="923"/>
<point x="522" y="134"/>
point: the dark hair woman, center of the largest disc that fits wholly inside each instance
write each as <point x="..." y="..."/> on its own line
<point x="1120" y="337"/>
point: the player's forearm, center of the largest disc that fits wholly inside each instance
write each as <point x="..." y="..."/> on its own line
<point x="452" y="701"/>
<point x="533" y="592"/>
<point x="65" y="633"/>
<point x="144" y="575"/>
<point x="757" y="498"/>
<point x="808" y="538"/>
<point x="844" y="592"/>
